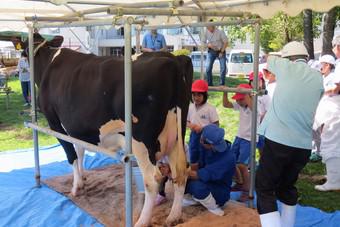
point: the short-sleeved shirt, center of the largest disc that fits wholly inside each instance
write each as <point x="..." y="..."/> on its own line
<point x="329" y="82"/>
<point x="155" y="43"/>
<point x="23" y="69"/>
<point x="244" y="128"/>
<point x="203" y="115"/>
<point x="337" y="67"/>
<point x="216" y="38"/>
<point x="298" y="91"/>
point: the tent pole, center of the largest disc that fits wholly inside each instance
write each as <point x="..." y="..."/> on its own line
<point x="34" y="106"/>
<point x="254" y="116"/>
<point x="128" y="120"/>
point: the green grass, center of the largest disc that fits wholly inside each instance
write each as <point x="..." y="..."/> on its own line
<point x="308" y="196"/>
<point x="13" y="135"/>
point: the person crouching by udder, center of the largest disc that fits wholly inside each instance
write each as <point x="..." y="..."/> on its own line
<point x="210" y="185"/>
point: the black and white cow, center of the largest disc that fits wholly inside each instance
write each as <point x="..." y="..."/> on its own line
<point x="80" y="93"/>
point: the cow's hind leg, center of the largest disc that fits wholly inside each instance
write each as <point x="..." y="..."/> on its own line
<point x="178" y="166"/>
<point x="71" y="155"/>
<point x="78" y="171"/>
<point x="80" y="154"/>
<point x="177" y="163"/>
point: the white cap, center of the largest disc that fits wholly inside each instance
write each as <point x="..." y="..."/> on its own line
<point x="327" y="58"/>
<point x="294" y="49"/>
<point x="336" y="40"/>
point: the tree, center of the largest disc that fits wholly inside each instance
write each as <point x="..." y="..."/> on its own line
<point x="275" y="32"/>
<point x="308" y="32"/>
<point x="329" y="20"/>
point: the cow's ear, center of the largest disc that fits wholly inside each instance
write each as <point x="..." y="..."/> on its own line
<point x="18" y="44"/>
<point x="56" y="41"/>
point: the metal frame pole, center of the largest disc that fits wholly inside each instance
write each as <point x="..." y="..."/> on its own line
<point x="254" y="116"/>
<point x="34" y="106"/>
<point x="128" y="120"/>
<point x="174" y="12"/>
<point x="201" y="49"/>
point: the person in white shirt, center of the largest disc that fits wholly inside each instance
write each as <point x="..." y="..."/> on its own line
<point x="241" y="144"/>
<point x="216" y="41"/>
<point x="326" y="125"/>
<point x="24" y="77"/>
<point x="327" y="65"/>
<point x="200" y="114"/>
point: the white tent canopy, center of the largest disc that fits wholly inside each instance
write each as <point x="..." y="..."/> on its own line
<point x="14" y="12"/>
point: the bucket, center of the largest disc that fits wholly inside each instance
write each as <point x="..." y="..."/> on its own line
<point x="137" y="174"/>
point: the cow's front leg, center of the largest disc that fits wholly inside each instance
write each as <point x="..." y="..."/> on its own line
<point x="151" y="190"/>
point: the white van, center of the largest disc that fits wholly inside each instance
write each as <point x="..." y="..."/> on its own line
<point x="240" y="63"/>
<point x="196" y="62"/>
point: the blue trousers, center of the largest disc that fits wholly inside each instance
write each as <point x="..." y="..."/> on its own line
<point x="212" y="55"/>
<point x="194" y="147"/>
<point x="25" y="87"/>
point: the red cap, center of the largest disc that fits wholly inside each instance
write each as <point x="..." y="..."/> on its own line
<point x="251" y="75"/>
<point x="199" y="86"/>
<point x="239" y="96"/>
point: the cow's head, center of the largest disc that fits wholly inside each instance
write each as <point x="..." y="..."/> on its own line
<point x="39" y="42"/>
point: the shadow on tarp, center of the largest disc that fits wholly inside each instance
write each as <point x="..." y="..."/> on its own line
<point x="21" y="204"/>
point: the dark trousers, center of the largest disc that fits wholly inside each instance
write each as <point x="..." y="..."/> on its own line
<point x="277" y="174"/>
<point x="212" y="55"/>
<point x="25" y="87"/>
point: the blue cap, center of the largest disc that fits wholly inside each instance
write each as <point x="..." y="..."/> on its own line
<point x="214" y="135"/>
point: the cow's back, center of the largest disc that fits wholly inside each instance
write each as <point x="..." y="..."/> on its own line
<point x="86" y="91"/>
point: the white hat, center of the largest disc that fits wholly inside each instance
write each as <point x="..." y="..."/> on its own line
<point x="327" y="58"/>
<point x="294" y="49"/>
<point x="336" y="40"/>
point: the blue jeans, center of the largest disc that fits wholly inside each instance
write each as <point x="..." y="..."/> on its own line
<point x="25" y="86"/>
<point x="212" y="55"/>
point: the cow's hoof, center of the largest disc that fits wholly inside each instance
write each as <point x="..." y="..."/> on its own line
<point x="74" y="192"/>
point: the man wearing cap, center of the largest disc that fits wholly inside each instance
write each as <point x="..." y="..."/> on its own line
<point x="210" y="184"/>
<point x="153" y="41"/>
<point x="287" y="128"/>
<point x="216" y="41"/>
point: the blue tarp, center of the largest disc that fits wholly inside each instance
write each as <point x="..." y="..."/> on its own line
<point x="21" y="204"/>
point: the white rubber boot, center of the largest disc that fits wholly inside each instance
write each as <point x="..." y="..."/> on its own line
<point x="333" y="176"/>
<point x="288" y="214"/>
<point x="210" y="203"/>
<point x="271" y="219"/>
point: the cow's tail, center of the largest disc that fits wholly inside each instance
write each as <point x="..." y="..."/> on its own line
<point x="111" y="139"/>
